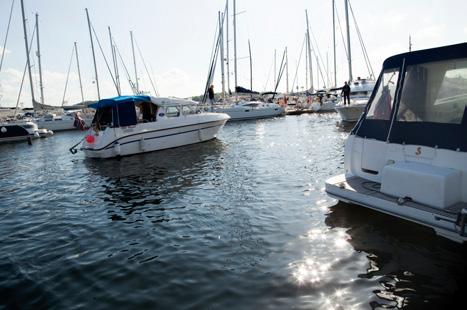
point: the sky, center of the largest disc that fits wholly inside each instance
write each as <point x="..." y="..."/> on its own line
<point x="176" y="38"/>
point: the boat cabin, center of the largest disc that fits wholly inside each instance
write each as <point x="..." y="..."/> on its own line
<point x="420" y="98"/>
<point x="361" y="87"/>
<point x="126" y="111"/>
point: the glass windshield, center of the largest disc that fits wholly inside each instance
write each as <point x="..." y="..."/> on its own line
<point x="382" y="103"/>
<point x="434" y="92"/>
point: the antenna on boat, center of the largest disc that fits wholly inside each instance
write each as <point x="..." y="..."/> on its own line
<point x="410" y="43"/>
<point x="93" y="55"/>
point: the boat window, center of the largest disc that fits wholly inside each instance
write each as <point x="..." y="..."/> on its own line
<point x="382" y="103"/>
<point x="186" y="110"/>
<point x="435" y="92"/>
<point x="172" y="112"/>
<point x="102" y="118"/>
<point x="147" y="112"/>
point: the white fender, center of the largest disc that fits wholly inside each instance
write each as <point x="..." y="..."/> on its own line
<point x="117" y="148"/>
<point x="142" y="144"/>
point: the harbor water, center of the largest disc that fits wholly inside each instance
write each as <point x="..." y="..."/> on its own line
<point x="239" y="222"/>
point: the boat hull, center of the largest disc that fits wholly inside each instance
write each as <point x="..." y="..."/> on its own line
<point x="246" y="113"/>
<point x="12" y="133"/>
<point x="141" y="138"/>
<point x="67" y="123"/>
<point x="350" y="113"/>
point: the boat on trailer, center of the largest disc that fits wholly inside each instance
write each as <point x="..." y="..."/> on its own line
<point x="407" y="155"/>
<point x="127" y="125"/>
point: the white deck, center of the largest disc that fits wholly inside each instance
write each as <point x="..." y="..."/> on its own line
<point x="356" y="190"/>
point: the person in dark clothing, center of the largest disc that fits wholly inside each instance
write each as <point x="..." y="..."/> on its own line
<point x="346" y="93"/>
<point x="211" y="94"/>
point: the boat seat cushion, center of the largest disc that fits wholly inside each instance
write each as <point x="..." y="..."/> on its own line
<point x="434" y="186"/>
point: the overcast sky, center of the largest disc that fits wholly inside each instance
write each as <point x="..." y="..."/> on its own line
<point x="176" y="39"/>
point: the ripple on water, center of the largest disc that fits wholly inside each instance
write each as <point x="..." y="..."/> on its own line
<point x="238" y="222"/>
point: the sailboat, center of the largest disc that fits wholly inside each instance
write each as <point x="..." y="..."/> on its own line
<point x="53" y="117"/>
<point x="241" y="106"/>
<point x="360" y="89"/>
<point x="25" y="129"/>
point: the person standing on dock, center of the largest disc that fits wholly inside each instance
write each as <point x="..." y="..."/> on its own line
<point x="346" y="93"/>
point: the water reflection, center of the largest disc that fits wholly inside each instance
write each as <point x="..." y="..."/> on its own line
<point x="143" y="182"/>
<point x="414" y="268"/>
<point x="345" y="126"/>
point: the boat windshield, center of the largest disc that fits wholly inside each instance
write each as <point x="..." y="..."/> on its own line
<point x="434" y="92"/>
<point x="382" y="103"/>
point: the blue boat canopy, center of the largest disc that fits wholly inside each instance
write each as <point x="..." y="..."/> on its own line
<point x="116" y="101"/>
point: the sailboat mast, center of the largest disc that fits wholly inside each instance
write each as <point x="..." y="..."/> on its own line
<point x="310" y="63"/>
<point x="79" y="73"/>
<point x="251" y="66"/>
<point x="134" y="62"/>
<point x="306" y="63"/>
<point x="114" y="60"/>
<point x="41" y="86"/>
<point x="221" y="34"/>
<point x="275" y="66"/>
<point x="27" y="54"/>
<point x="93" y="55"/>
<point x="286" y="71"/>
<point x="227" y="44"/>
<point x="334" y="39"/>
<point x="348" y="38"/>
<point x="235" y="42"/>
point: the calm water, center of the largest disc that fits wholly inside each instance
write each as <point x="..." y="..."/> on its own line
<point x="239" y="222"/>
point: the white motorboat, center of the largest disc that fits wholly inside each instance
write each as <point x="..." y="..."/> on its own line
<point x="18" y="131"/>
<point x="360" y="92"/>
<point x="66" y="121"/>
<point x="128" y="125"/>
<point x="407" y="156"/>
<point x="245" y="110"/>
